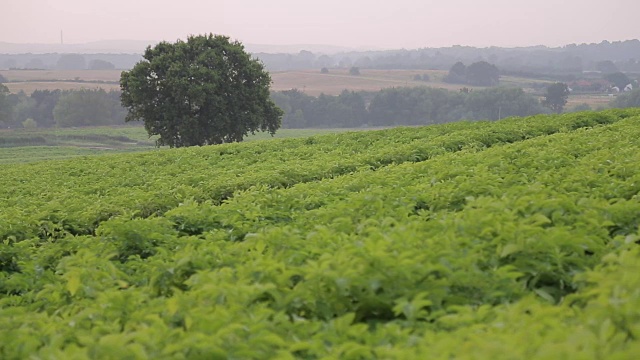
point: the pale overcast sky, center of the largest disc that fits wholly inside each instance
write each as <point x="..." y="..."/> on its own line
<point x="353" y="23"/>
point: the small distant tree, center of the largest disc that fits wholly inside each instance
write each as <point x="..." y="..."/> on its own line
<point x="5" y="106"/>
<point x="71" y="62"/>
<point x="345" y="62"/>
<point x="83" y="108"/>
<point x="618" y="79"/>
<point x="556" y="97"/>
<point x="298" y="118"/>
<point x="354" y="71"/>
<point x="630" y="99"/>
<point x="3" y="79"/>
<point x="29" y="124"/>
<point x="10" y="64"/>
<point x="304" y="59"/>
<point x="35" y="63"/>
<point x="45" y="102"/>
<point x="482" y="73"/>
<point x="324" y="70"/>
<point x="364" y="62"/>
<point x="98" y="64"/>
<point x="457" y="74"/>
<point x="607" y="67"/>
<point x="324" y="61"/>
<point x="23" y="108"/>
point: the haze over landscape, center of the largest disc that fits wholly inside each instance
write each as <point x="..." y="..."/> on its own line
<point x="348" y="180"/>
<point x="354" y="24"/>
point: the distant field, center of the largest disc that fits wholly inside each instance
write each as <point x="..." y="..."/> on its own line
<point x="69" y="75"/>
<point x="22" y="145"/>
<point x="312" y="82"/>
<point x="593" y="100"/>
<point x="29" y="87"/>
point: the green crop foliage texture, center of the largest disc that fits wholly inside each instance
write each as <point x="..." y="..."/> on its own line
<point x="515" y="239"/>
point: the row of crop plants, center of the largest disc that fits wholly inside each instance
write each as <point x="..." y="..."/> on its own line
<point x="75" y="196"/>
<point x="500" y="240"/>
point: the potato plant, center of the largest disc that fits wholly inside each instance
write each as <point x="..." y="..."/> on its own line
<point x="514" y="239"/>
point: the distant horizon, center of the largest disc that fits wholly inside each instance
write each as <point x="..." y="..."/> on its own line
<point x="318" y="44"/>
<point x="300" y="46"/>
<point x="358" y="24"/>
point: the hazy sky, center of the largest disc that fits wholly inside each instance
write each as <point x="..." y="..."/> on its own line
<point x="354" y="23"/>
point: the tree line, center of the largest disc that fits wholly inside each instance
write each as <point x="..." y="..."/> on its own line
<point x="388" y="107"/>
<point x="402" y="106"/>
<point x="68" y="61"/>
<point x="480" y="73"/>
<point x="62" y="108"/>
<point x="530" y="61"/>
<point x="569" y="59"/>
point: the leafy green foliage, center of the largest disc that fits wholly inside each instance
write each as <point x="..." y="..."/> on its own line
<point x="87" y="107"/>
<point x="556" y="97"/>
<point x="5" y="106"/>
<point x="509" y="239"/>
<point x="618" y="79"/>
<point x="206" y="90"/>
<point x="630" y="99"/>
<point x="482" y="73"/>
<point x="479" y="73"/>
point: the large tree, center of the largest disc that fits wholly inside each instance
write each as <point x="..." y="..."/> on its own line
<point x="556" y="96"/>
<point x="206" y="90"/>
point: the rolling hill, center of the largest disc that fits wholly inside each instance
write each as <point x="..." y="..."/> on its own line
<point x="515" y="239"/>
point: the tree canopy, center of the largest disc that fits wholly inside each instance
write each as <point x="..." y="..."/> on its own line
<point x="630" y="99"/>
<point x="618" y="79"/>
<point x="556" y="96"/>
<point x="87" y="107"/>
<point x="457" y="74"/>
<point x="98" y="64"/>
<point x="479" y="73"/>
<point x="71" y="62"/>
<point x="482" y="73"/>
<point x="206" y="90"/>
<point x="5" y="108"/>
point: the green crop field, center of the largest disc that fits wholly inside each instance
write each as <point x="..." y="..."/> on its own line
<point x="515" y="239"/>
<point x="27" y="145"/>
